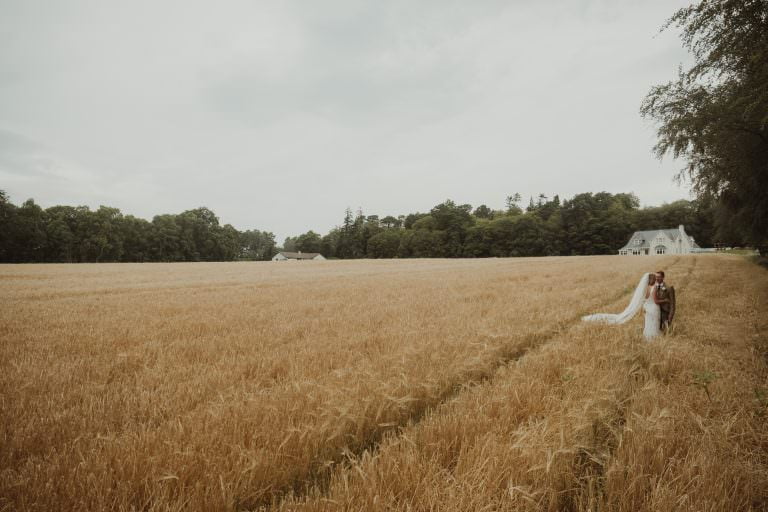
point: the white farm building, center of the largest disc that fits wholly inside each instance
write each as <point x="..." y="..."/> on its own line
<point x="297" y="256"/>
<point x="660" y="241"/>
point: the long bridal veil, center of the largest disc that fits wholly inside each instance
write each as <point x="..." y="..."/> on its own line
<point x="634" y="306"/>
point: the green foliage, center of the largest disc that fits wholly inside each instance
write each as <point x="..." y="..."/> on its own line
<point x="391" y="222"/>
<point x="421" y="243"/>
<point x="715" y="114"/>
<point x="77" y="234"/>
<point x="329" y="244"/>
<point x="426" y="222"/>
<point x="257" y="245"/>
<point x="513" y="204"/>
<point x="585" y="224"/>
<point x="384" y="244"/>
<point x="483" y="212"/>
<point x="452" y="221"/>
<point x="308" y="242"/>
<point x="597" y="223"/>
<point x="411" y="218"/>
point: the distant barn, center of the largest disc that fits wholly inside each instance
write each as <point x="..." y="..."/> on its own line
<point x="297" y="256"/>
<point x="660" y="241"/>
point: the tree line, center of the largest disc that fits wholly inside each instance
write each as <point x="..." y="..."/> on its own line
<point x="77" y="234"/>
<point x="588" y="223"/>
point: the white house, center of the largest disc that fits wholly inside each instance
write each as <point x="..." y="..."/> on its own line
<point x="660" y="241"/>
<point x="297" y="256"/>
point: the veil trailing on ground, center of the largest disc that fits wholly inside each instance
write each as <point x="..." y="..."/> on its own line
<point x="634" y="306"/>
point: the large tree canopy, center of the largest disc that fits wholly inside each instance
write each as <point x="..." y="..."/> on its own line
<point x="715" y="114"/>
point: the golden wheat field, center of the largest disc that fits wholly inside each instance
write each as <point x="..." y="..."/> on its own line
<point x="455" y="385"/>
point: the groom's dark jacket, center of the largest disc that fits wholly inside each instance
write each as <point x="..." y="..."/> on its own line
<point x="667" y="308"/>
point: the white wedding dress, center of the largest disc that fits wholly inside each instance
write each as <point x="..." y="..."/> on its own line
<point x="652" y="317"/>
<point x="652" y="311"/>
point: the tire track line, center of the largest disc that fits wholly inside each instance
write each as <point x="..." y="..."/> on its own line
<point x="598" y="451"/>
<point x="319" y="478"/>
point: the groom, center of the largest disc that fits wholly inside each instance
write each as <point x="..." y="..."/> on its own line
<point x="666" y="297"/>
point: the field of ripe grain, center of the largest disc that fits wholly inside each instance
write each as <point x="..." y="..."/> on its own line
<point x="381" y="385"/>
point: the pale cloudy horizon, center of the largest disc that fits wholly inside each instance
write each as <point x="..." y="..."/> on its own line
<point x="280" y="115"/>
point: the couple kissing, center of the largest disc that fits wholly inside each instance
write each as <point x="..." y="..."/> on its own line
<point x="655" y="297"/>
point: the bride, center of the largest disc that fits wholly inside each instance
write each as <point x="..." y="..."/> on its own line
<point x="645" y="297"/>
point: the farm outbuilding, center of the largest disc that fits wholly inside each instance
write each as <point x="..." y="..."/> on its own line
<point x="297" y="256"/>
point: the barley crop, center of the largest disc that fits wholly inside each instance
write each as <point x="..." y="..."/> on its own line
<point x="378" y="385"/>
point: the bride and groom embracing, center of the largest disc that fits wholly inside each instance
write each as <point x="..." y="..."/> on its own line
<point x="657" y="300"/>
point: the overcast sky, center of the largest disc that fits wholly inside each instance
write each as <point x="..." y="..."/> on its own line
<point x="278" y="115"/>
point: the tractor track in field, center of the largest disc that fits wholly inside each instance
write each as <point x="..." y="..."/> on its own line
<point x="319" y="477"/>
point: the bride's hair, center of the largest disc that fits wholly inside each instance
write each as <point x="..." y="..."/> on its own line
<point x="651" y="278"/>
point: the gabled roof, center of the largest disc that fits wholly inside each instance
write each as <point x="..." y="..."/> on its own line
<point x="674" y="234"/>
<point x="299" y="255"/>
<point x="648" y="237"/>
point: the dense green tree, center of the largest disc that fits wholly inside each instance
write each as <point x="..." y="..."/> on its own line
<point x="136" y="239"/>
<point x="77" y="234"/>
<point x="167" y="242"/>
<point x="360" y="235"/>
<point x="257" y="245"/>
<point x="7" y="228"/>
<point x="425" y="222"/>
<point x="346" y="241"/>
<point x="452" y="220"/>
<point x="500" y="235"/>
<point x="512" y="203"/>
<point x="421" y="243"/>
<point x="370" y="228"/>
<point x="715" y="114"/>
<point x="391" y="222"/>
<point x="483" y="212"/>
<point x="698" y="223"/>
<point x="329" y="243"/>
<point x="289" y="244"/>
<point x="546" y="209"/>
<point x="586" y="224"/>
<point x="308" y="242"/>
<point x="384" y="244"/>
<point x="411" y="218"/>
<point x="595" y="223"/>
<point x="527" y="236"/>
<point x="28" y="232"/>
<point x="201" y="227"/>
<point x="61" y="241"/>
<point x="477" y="242"/>
<point x="107" y="225"/>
